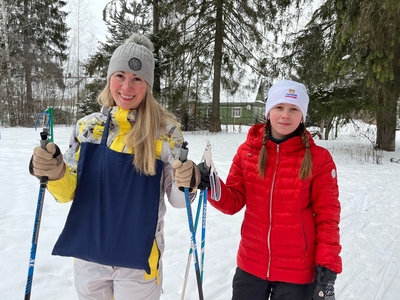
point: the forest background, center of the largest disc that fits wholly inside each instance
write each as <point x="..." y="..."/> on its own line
<point x="346" y="52"/>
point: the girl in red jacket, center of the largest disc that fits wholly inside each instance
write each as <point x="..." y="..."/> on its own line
<point x="290" y="243"/>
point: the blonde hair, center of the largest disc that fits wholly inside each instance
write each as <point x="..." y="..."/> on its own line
<point x="151" y="118"/>
<point x="306" y="164"/>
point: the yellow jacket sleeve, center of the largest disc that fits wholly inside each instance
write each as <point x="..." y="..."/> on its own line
<point x="63" y="189"/>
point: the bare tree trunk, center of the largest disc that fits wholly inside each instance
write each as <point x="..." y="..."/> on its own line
<point x="215" y="121"/>
<point x="388" y="98"/>
<point x="386" y="118"/>
<point x="328" y="128"/>
<point x="337" y="128"/>
<point x="27" y="64"/>
<point x="8" y="82"/>
<point x="322" y="127"/>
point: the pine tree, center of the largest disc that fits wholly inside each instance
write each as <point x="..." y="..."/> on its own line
<point x="365" y="45"/>
<point x="334" y="98"/>
<point x="368" y="31"/>
<point x="39" y="36"/>
<point x="223" y="40"/>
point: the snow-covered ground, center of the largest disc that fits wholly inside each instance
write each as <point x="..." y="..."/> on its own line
<point x="370" y="226"/>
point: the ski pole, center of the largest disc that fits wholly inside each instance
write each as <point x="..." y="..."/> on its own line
<point x="36" y="226"/>
<point x="194" y="244"/>
<point x="191" y="251"/>
<point x="183" y="157"/>
<point x="203" y="231"/>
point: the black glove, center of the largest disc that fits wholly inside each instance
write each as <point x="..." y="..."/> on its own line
<point x="204" y="176"/>
<point x="324" y="281"/>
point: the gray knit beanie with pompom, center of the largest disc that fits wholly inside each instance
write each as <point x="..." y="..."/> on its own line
<point x="135" y="55"/>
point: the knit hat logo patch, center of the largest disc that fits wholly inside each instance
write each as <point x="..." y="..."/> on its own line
<point x="135" y="64"/>
<point x="291" y="94"/>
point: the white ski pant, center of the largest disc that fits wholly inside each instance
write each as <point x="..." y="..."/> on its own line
<point x="99" y="282"/>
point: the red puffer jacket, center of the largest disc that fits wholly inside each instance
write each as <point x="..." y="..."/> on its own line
<point x="290" y="225"/>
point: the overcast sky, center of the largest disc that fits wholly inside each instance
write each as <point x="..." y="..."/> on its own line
<point x="99" y="28"/>
<point x="91" y="12"/>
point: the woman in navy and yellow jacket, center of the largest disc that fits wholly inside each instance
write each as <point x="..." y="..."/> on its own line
<point x="117" y="171"/>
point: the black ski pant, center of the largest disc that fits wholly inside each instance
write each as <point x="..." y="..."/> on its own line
<point x="249" y="287"/>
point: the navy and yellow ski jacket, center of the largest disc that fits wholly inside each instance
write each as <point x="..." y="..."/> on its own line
<point x="90" y="129"/>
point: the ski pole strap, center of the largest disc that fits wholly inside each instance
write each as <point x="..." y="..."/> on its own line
<point x="215" y="185"/>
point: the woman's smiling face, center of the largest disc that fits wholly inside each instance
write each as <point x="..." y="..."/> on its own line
<point x="128" y="90"/>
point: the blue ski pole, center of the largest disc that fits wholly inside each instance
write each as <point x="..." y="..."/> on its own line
<point x="183" y="158"/>
<point x="203" y="231"/>
<point x="191" y="250"/>
<point x="36" y="226"/>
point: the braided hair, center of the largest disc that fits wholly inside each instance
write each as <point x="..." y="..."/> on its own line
<point x="306" y="164"/>
<point x="262" y="160"/>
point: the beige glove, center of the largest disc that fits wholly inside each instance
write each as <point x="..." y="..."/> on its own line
<point x="47" y="162"/>
<point x="186" y="175"/>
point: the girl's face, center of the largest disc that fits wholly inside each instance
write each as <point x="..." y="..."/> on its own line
<point x="284" y="119"/>
<point x="127" y="89"/>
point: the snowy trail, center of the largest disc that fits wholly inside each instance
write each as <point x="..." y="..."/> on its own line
<point x="370" y="233"/>
<point x="370" y="226"/>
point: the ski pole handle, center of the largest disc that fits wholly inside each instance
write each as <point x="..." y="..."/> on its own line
<point x="184" y="152"/>
<point x="43" y="142"/>
<point x="44" y="135"/>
